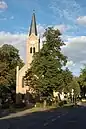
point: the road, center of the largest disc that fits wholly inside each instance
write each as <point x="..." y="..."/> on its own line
<point x="64" y="118"/>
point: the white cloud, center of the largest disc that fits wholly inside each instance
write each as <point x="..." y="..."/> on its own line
<point x="70" y="63"/>
<point x="3" y="5"/>
<point x="41" y="29"/>
<point x="75" y="50"/>
<point x="71" y="66"/>
<point x="7" y="37"/>
<point x="62" y="27"/>
<point x="17" y="40"/>
<point x="81" y="20"/>
<point x="75" y="47"/>
<point x="67" y="9"/>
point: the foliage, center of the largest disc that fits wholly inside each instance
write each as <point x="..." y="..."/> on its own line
<point x="47" y="64"/>
<point x="66" y="77"/>
<point x="9" y="59"/>
<point x="74" y="85"/>
<point x="82" y="77"/>
<point x="61" y="103"/>
<point x="82" y="81"/>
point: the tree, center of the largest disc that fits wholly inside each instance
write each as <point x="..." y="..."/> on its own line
<point x="9" y="59"/>
<point x="82" y="81"/>
<point x="47" y="64"/>
<point x="75" y="86"/>
<point x="67" y="78"/>
<point x="83" y="77"/>
<point x="30" y="80"/>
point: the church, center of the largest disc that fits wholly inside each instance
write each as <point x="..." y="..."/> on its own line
<point x="32" y="46"/>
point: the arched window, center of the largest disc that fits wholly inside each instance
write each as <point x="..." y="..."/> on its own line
<point x="30" y="49"/>
<point x="33" y="49"/>
<point x="23" y="82"/>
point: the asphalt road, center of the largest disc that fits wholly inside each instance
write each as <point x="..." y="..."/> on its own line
<point x="65" y="118"/>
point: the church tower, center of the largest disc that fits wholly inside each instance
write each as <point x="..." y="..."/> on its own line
<point x="32" y="46"/>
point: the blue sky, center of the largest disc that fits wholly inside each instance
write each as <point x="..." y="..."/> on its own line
<point x="67" y="15"/>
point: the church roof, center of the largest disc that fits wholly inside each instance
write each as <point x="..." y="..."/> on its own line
<point x="33" y="28"/>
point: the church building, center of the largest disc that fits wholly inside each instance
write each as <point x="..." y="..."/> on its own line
<point x="32" y="46"/>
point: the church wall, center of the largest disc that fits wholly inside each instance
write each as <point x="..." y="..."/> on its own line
<point x="32" y="42"/>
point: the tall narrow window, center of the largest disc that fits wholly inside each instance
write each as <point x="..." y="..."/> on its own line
<point x="31" y="50"/>
<point x="23" y="82"/>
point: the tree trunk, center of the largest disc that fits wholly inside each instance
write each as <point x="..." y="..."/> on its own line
<point x="75" y="103"/>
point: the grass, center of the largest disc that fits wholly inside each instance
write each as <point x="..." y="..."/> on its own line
<point x="68" y="105"/>
<point x="38" y="108"/>
<point x="33" y="109"/>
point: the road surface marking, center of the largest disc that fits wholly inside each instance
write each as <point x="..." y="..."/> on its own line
<point x="63" y="114"/>
<point x="45" y="124"/>
<point x="54" y="119"/>
<point x="50" y="117"/>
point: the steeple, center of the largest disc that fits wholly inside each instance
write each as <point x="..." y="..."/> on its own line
<point x="33" y="29"/>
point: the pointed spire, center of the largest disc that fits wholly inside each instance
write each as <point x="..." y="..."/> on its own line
<point x="33" y="28"/>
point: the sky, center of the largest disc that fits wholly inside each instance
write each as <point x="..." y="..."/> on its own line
<point x="69" y="16"/>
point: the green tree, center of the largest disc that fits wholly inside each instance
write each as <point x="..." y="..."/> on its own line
<point x="82" y="77"/>
<point x="82" y="81"/>
<point x="47" y="64"/>
<point x="9" y="59"/>
<point x="75" y="86"/>
<point x="67" y="78"/>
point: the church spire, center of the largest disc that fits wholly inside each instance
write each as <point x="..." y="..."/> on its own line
<point x="33" y="28"/>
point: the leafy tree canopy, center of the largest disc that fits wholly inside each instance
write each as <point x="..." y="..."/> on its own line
<point x="47" y="64"/>
<point x="66" y="77"/>
<point x="9" y="59"/>
<point x="82" y="77"/>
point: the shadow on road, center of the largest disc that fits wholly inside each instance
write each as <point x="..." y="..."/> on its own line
<point x="31" y="120"/>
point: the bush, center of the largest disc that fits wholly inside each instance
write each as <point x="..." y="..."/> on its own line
<point x="61" y="103"/>
<point x="29" y="105"/>
<point x="21" y="105"/>
<point x="65" y="102"/>
<point x="38" y="104"/>
<point x="5" y="106"/>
